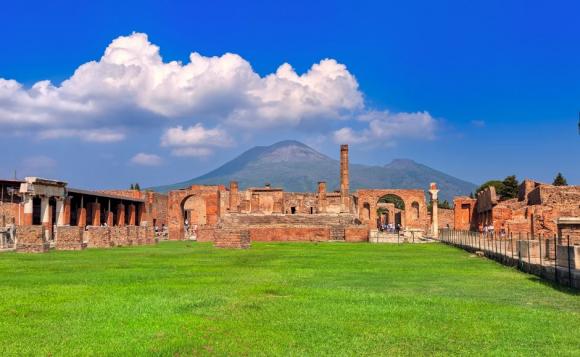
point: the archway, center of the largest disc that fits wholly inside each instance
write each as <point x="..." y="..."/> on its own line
<point x="415" y="209"/>
<point x="391" y="209"/>
<point x="193" y="213"/>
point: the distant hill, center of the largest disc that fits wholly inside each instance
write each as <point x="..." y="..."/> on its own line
<point x="297" y="167"/>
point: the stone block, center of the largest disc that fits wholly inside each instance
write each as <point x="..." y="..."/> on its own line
<point x="528" y="246"/>
<point x="568" y="253"/>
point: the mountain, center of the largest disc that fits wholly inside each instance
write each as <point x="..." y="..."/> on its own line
<point x="297" y="167"/>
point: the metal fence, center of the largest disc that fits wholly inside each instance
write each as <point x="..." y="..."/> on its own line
<point x="534" y="254"/>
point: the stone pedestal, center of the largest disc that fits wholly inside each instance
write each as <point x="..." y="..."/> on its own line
<point x="565" y="252"/>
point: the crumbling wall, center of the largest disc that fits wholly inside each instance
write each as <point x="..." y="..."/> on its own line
<point x="10" y="213"/>
<point x="289" y="233"/>
<point x="356" y="234"/>
<point x="98" y="237"/>
<point x="30" y="239"/>
<point x="446" y="218"/>
<point x="69" y="238"/>
<point x="232" y="239"/>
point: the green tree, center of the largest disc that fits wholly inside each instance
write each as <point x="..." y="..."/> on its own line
<point x="471" y="195"/>
<point x="560" y="180"/>
<point x="509" y="188"/>
<point x="137" y="187"/>
<point x="495" y="183"/>
<point x="132" y="187"/>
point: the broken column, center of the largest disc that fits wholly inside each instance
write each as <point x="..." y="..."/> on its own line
<point x="321" y="196"/>
<point x="234" y="196"/>
<point x="344" y="184"/>
<point x="28" y="209"/>
<point x="434" y="203"/>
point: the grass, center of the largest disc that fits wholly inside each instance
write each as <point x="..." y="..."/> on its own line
<point x="181" y="298"/>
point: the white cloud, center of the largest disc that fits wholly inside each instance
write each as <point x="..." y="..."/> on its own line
<point x="90" y="135"/>
<point x="146" y="159"/>
<point x="132" y="77"/>
<point x="383" y="125"/>
<point x="131" y="86"/>
<point x="478" y="123"/>
<point x="195" y="140"/>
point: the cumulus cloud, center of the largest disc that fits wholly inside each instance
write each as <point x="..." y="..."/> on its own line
<point x="146" y="159"/>
<point x="195" y="140"/>
<point x="383" y="125"/>
<point x="132" y="86"/>
<point x="132" y="76"/>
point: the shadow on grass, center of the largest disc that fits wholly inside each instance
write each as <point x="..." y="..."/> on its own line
<point x="552" y="284"/>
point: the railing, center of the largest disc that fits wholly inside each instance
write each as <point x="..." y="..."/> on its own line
<point x="534" y="254"/>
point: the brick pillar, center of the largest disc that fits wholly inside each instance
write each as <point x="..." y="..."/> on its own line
<point x="96" y="214"/>
<point x="132" y="214"/>
<point x="234" y="197"/>
<point x="120" y="214"/>
<point x="344" y="183"/>
<point x="28" y="210"/>
<point x="66" y="212"/>
<point x="321" y="197"/>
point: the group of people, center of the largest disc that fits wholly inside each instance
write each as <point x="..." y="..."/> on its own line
<point x="390" y="227"/>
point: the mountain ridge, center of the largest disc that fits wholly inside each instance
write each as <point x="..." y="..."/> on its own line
<point x="297" y="167"/>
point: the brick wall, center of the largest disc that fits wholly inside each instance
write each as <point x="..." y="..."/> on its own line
<point x="289" y="234"/>
<point x="69" y="238"/>
<point x="29" y="239"/>
<point x="446" y="217"/>
<point x="356" y="234"/>
<point x="9" y="213"/>
<point x="232" y="238"/>
<point x="98" y="237"/>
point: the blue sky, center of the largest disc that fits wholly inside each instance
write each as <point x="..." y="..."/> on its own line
<point x="479" y="90"/>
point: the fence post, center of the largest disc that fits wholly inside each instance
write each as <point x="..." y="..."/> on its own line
<point x="569" y="265"/>
<point x="556" y="258"/>
<point x="540" y="238"/>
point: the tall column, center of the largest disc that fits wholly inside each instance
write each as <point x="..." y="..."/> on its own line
<point x="321" y="197"/>
<point x="109" y="215"/>
<point x="96" y="214"/>
<point x="82" y="214"/>
<point x="120" y="214"/>
<point x="344" y="183"/>
<point x="234" y="198"/>
<point x="132" y="214"/>
<point x="60" y="211"/>
<point x="45" y="211"/>
<point x="28" y="210"/>
<point x="434" y="203"/>
<point x="66" y="211"/>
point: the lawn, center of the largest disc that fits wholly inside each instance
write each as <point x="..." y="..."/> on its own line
<point x="182" y="298"/>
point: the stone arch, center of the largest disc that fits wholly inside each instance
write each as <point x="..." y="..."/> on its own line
<point x="194" y="210"/>
<point x="379" y="199"/>
<point x="366" y="212"/>
<point x="415" y="209"/>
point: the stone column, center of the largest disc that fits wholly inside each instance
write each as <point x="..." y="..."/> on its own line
<point x="434" y="203"/>
<point x="82" y="215"/>
<point x="45" y="212"/>
<point x="60" y="211"/>
<point x="66" y="211"/>
<point x="96" y="214"/>
<point x="321" y="197"/>
<point x="28" y="210"/>
<point x="120" y="214"/>
<point x="132" y="214"/>
<point x="344" y="183"/>
<point x="234" y="197"/>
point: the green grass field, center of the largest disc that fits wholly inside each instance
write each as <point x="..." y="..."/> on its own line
<point x="184" y="298"/>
